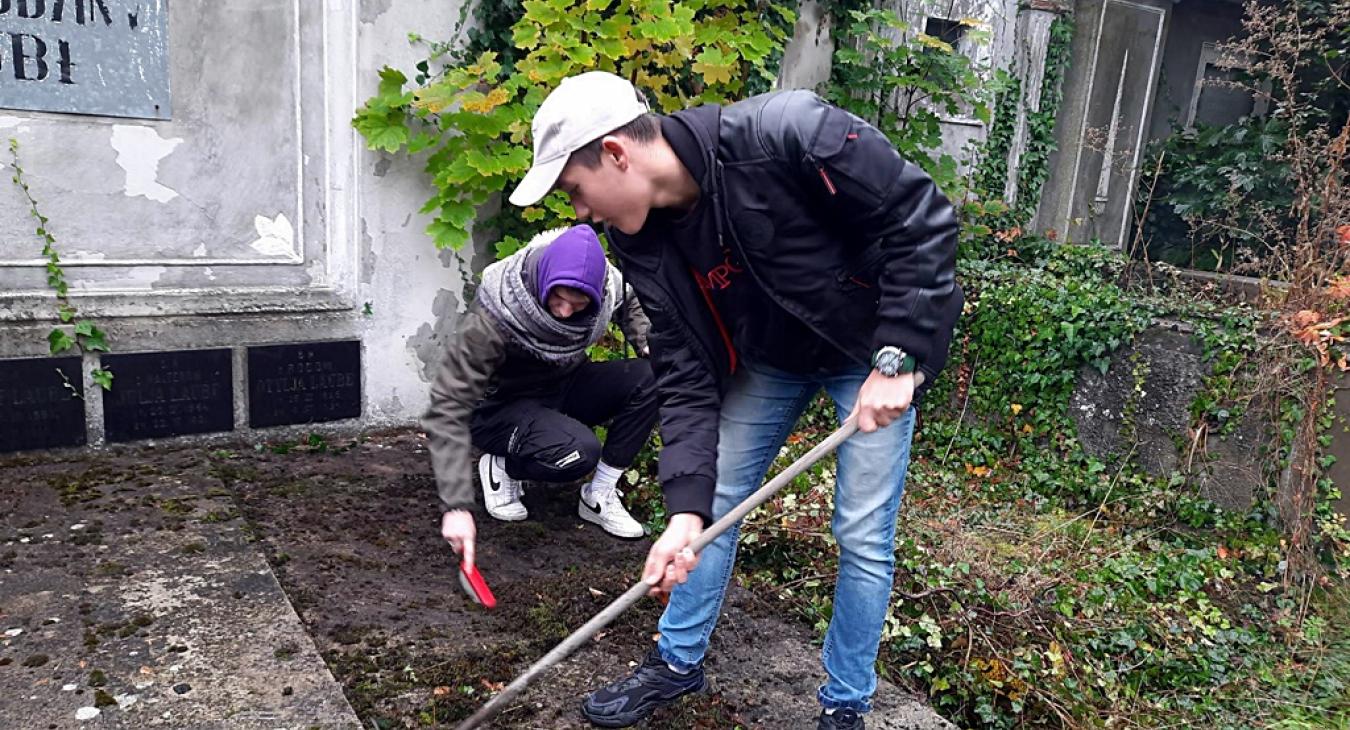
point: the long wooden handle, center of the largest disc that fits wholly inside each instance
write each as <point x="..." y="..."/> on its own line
<point x="639" y="589"/>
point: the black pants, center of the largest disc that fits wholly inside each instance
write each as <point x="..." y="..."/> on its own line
<point x="549" y="438"/>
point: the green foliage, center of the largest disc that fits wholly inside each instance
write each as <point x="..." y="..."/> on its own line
<point x="73" y="332"/>
<point x="1245" y="197"/>
<point x="904" y="83"/>
<point x="1230" y="342"/>
<point x="988" y="213"/>
<point x="1027" y="330"/>
<point x="1218" y="189"/>
<point x="472" y="118"/>
<point x="1037" y="586"/>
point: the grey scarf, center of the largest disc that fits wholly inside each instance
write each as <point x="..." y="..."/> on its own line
<point x="507" y="295"/>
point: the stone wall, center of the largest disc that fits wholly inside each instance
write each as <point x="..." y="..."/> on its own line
<point x="1140" y="409"/>
<point x="253" y="216"/>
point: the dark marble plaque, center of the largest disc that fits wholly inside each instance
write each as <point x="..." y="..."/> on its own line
<point x="160" y="394"/>
<point x="309" y="383"/>
<point x="37" y="409"/>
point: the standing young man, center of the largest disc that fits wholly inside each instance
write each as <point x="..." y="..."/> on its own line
<point x="779" y="245"/>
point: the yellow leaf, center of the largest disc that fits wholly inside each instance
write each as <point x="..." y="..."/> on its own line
<point x="494" y="99"/>
<point x="932" y="42"/>
<point x="1016" y="408"/>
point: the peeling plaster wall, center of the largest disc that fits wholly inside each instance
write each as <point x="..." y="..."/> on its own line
<point x="415" y="291"/>
<point x="255" y="215"/>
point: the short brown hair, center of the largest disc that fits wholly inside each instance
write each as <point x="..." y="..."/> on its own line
<point x="642" y="130"/>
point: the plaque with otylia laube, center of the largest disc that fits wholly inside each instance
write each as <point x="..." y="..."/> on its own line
<point x="306" y="383"/>
<point x="161" y="394"/>
<point x="41" y="404"/>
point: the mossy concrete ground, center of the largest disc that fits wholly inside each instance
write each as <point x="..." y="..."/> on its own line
<point x="242" y="587"/>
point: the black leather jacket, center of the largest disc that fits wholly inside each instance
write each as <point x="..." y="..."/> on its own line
<point x="838" y="229"/>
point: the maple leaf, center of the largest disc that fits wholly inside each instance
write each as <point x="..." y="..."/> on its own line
<point x="714" y="65"/>
<point x="1339" y="288"/>
<point x="1305" y="318"/>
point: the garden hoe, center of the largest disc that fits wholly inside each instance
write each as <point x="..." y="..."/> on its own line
<point x="632" y="595"/>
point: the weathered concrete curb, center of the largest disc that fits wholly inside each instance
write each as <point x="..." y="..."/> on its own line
<point x="150" y="601"/>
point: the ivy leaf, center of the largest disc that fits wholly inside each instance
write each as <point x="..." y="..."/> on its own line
<point x="59" y="341"/>
<point x="94" y="338"/>
<point x="103" y="377"/>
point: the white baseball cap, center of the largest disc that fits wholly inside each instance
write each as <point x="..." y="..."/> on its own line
<point x="583" y="108"/>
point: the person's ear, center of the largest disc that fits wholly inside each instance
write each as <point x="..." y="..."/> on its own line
<point x="616" y="148"/>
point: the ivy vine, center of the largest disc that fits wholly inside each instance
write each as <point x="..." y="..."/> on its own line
<point x="1034" y="164"/>
<point x="74" y="332"/>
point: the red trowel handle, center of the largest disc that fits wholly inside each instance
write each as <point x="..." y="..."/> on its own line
<point x="475" y="586"/>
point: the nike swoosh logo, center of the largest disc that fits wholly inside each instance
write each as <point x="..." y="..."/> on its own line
<point x="595" y="509"/>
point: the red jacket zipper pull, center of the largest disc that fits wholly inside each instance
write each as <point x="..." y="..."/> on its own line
<point x="829" y="185"/>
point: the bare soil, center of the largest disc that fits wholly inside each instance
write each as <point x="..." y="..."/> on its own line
<point x="350" y="529"/>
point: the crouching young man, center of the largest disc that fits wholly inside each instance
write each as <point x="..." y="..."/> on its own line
<point x="780" y="246"/>
<point x="517" y="383"/>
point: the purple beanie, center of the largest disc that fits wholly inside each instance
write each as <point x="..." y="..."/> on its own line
<point x="573" y="259"/>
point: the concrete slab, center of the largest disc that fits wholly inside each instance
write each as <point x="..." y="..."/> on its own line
<point x="132" y="598"/>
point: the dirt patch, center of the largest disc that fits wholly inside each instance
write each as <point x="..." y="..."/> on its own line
<point x="351" y="530"/>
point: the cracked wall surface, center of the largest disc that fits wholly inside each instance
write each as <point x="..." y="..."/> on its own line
<point x="254" y="215"/>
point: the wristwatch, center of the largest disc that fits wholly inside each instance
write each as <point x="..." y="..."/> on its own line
<point x="891" y="361"/>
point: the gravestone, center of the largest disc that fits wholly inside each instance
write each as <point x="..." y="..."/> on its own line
<point x="309" y="383"/>
<point x="168" y="394"/>
<point x="42" y="405"/>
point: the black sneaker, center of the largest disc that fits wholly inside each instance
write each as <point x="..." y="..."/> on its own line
<point x="842" y="719"/>
<point x="651" y="686"/>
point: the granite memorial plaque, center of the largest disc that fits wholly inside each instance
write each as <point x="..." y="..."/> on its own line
<point x="160" y="394"/>
<point x="309" y="383"/>
<point x="40" y="404"/>
<point x="103" y="57"/>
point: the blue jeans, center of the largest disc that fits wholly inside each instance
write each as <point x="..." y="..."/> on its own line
<point x="758" y="413"/>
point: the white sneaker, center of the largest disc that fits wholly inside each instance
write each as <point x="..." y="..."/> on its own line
<point x="608" y="512"/>
<point x="501" y="493"/>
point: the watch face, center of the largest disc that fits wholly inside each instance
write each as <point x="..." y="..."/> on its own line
<point x="888" y="362"/>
